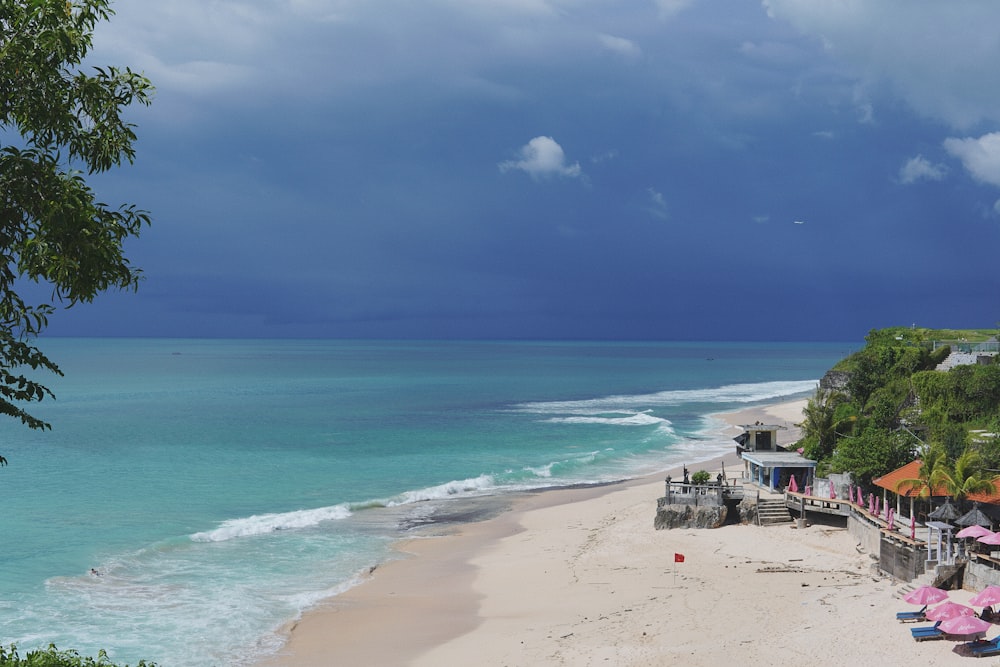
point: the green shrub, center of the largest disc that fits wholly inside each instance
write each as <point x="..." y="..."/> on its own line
<point x="700" y="477"/>
<point x="52" y="657"/>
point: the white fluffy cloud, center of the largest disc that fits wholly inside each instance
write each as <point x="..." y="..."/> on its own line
<point x="620" y="45"/>
<point x="980" y="157"/>
<point x="540" y="158"/>
<point x="920" y="168"/>
<point x="657" y="206"/>
<point x="669" y="8"/>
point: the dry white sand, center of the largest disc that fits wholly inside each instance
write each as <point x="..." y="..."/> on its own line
<point x="580" y="577"/>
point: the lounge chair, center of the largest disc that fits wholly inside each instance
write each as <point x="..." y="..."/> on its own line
<point x="908" y="616"/>
<point x="927" y="632"/>
<point x="982" y="649"/>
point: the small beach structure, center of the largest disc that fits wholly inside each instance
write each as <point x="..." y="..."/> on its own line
<point x="758" y="437"/>
<point x="774" y="470"/>
<point x="767" y="464"/>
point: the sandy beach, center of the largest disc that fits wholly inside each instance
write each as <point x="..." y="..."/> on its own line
<point x="580" y="577"/>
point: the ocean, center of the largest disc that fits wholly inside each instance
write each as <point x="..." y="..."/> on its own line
<point x="221" y="487"/>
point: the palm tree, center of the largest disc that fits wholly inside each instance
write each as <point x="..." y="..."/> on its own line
<point x="933" y="469"/>
<point x="968" y="476"/>
<point x="823" y="418"/>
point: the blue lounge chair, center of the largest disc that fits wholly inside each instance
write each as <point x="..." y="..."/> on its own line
<point x="908" y="616"/>
<point x="983" y="649"/>
<point x="927" y="632"/>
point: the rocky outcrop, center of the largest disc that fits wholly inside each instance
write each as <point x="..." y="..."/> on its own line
<point x="834" y="381"/>
<point x="748" y="510"/>
<point x="689" y="516"/>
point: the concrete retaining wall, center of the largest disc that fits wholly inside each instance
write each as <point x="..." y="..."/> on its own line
<point x="868" y="536"/>
<point x="979" y="576"/>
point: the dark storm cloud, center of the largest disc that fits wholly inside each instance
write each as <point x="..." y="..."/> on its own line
<point x="536" y="168"/>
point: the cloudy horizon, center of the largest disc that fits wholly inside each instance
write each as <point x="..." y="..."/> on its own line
<point x="663" y="169"/>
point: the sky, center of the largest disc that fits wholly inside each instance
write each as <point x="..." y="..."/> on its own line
<point x="548" y="169"/>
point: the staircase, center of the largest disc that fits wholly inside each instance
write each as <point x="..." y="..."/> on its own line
<point x="772" y="512"/>
<point x="926" y="579"/>
<point x="962" y="359"/>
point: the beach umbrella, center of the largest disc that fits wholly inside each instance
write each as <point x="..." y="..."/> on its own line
<point x="925" y="595"/>
<point x="833" y="491"/>
<point x="861" y="498"/>
<point x="913" y="527"/>
<point x="991" y="539"/>
<point x="892" y="519"/>
<point x="949" y="609"/>
<point x="871" y="503"/>
<point x="964" y="625"/>
<point x="877" y="500"/>
<point x="792" y="486"/>
<point x="946" y="512"/>
<point x="975" y="530"/>
<point x="987" y="597"/>
<point x="974" y="517"/>
<point x="809" y="490"/>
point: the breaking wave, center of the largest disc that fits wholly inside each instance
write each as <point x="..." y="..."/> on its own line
<point x="262" y="524"/>
<point x="639" y="403"/>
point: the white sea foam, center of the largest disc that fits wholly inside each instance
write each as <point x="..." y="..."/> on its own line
<point x="629" y="419"/>
<point x="547" y="469"/>
<point x="261" y="524"/>
<point x="732" y="393"/>
<point x="541" y="471"/>
<point x="462" y="487"/>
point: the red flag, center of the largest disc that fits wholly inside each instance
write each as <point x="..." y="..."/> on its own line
<point x="678" y="558"/>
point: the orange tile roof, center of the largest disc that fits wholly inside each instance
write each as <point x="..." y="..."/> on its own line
<point x="990" y="499"/>
<point x="910" y="471"/>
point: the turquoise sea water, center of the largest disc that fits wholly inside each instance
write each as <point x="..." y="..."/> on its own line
<point x="221" y="487"/>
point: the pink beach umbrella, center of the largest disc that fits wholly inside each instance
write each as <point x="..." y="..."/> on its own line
<point x="991" y="539"/>
<point x="871" y="503"/>
<point x="987" y="597"/>
<point x="925" y="595"/>
<point x="949" y="609"/>
<point x="892" y="518"/>
<point x="964" y="625"/>
<point x="861" y="498"/>
<point x="877" y="500"/>
<point x="913" y="527"/>
<point x="833" y="491"/>
<point x="850" y="492"/>
<point x="975" y="530"/>
<point x="792" y="486"/>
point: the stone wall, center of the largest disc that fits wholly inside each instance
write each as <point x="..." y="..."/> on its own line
<point x="868" y="537"/>
<point x="689" y="516"/>
<point x="978" y="576"/>
<point x="901" y="561"/>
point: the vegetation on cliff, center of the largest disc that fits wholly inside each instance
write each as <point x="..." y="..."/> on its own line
<point x="892" y="404"/>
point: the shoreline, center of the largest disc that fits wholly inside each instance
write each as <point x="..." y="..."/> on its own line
<point x="426" y="599"/>
<point x="579" y="577"/>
